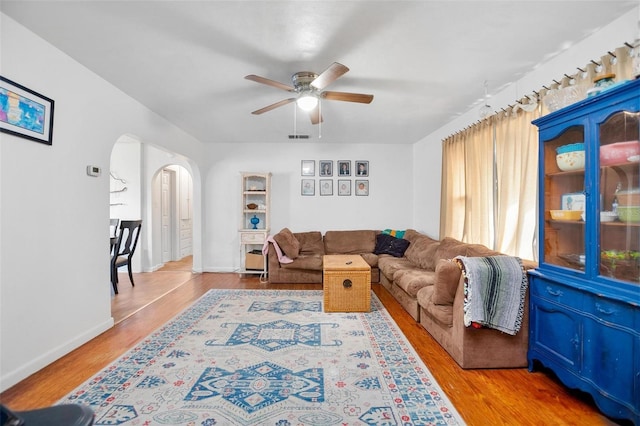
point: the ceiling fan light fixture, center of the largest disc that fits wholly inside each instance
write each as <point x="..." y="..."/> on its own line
<point x="307" y="101"/>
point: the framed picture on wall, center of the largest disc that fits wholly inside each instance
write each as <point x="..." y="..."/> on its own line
<point x="362" y="168"/>
<point x="308" y="168"/>
<point x="25" y="113"/>
<point x="308" y="187"/>
<point x="362" y="187"/>
<point x="326" y="168"/>
<point x="344" y="187"/>
<point x="326" y="187"/>
<point x="344" y="168"/>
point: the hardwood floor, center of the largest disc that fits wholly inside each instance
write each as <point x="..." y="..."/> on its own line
<point x="483" y="397"/>
<point x="149" y="287"/>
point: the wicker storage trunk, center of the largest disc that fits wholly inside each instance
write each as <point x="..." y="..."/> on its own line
<point x="346" y="283"/>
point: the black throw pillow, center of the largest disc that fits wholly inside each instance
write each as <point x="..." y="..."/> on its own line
<point x="388" y="244"/>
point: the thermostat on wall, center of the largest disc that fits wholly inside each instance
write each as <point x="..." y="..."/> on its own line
<point x="94" y="171"/>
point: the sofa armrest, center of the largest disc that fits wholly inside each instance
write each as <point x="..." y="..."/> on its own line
<point x="272" y="258"/>
<point x="458" y="311"/>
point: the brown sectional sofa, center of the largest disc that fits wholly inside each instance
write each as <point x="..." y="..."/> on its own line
<point x="425" y="281"/>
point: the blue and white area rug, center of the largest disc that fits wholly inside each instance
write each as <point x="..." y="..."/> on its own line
<point x="269" y="357"/>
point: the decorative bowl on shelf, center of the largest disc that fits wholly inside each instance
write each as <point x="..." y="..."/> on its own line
<point x="573" y="160"/>
<point x="578" y="146"/>
<point x="608" y="216"/>
<point x="618" y="153"/>
<point x="629" y="197"/>
<point x="629" y="213"/>
<point x="252" y="206"/>
<point x="565" y="214"/>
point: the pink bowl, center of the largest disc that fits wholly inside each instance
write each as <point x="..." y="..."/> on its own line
<point x="617" y="153"/>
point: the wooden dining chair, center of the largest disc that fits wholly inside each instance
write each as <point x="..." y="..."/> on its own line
<point x="113" y="227"/>
<point x="125" y="247"/>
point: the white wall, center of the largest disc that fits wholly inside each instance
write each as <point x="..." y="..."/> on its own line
<point x="126" y="162"/>
<point x="389" y="204"/>
<point x="54" y="261"/>
<point x="427" y="154"/>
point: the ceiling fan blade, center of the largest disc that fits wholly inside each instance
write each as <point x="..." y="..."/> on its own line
<point x="268" y="82"/>
<point x="315" y="116"/>
<point x="329" y="75"/>
<point x="347" y="97"/>
<point x="273" y="106"/>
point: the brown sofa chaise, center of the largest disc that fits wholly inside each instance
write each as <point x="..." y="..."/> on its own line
<point x="443" y="317"/>
<point x="430" y="286"/>
<point x="425" y="281"/>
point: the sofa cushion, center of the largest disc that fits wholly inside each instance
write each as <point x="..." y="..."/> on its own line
<point x="389" y="265"/>
<point x="413" y="279"/>
<point x="450" y="248"/>
<point x="441" y="314"/>
<point x="371" y="259"/>
<point x="349" y="242"/>
<point x="288" y="243"/>
<point x="411" y="234"/>
<point x="422" y="252"/>
<point x="311" y="262"/>
<point x="388" y="244"/>
<point x="310" y="242"/>
<point x="448" y="275"/>
<point x="478" y="250"/>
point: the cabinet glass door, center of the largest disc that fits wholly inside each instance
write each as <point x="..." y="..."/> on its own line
<point x="564" y="199"/>
<point x="620" y="195"/>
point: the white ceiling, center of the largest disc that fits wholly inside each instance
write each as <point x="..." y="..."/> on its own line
<point x="425" y="61"/>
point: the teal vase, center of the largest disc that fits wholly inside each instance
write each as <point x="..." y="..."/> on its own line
<point x="254" y="221"/>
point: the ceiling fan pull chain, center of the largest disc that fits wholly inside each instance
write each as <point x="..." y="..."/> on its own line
<point x="320" y="122"/>
<point x="295" y="120"/>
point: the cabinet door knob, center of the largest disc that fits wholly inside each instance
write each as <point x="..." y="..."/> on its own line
<point x="600" y="309"/>
<point x="553" y="292"/>
<point x="575" y="341"/>
<point x="347" y="283"/>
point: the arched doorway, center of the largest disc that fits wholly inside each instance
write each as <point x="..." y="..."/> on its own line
<point x="172" y="201"/>
<point x="148" y="172"/>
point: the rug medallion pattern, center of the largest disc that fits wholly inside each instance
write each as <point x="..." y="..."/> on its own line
<point x="269" y="357"/>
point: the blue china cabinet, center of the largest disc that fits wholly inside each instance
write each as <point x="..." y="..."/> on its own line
<point x="585" y="294"/>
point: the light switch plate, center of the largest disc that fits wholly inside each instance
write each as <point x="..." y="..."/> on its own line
<point x="94" y="171"/>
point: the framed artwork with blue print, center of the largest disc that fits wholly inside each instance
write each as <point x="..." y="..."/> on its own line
<point x="25" y="113"/>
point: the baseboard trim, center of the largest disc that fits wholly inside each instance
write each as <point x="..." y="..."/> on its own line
<point x="47" y="358"/>
<point x="217" y="269"/>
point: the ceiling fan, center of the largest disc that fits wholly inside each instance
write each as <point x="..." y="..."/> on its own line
<point x="308" y="87"/>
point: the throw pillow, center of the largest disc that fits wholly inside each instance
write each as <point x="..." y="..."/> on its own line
<point x="422" y="252"/>
<point x="394" y="233"/>
<point x="387" y="244"/>
<point x="448" y="275"/>
<point x="288" y="243"/>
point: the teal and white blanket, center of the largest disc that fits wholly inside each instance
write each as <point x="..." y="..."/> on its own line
<point x="494" y="290"/>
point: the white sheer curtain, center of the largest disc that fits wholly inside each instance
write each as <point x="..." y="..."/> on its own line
<point x="452" y="194"/>
<point x="490" y="169"/>
<point x="467" y="201"/>
<point x="516" y="184"/>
